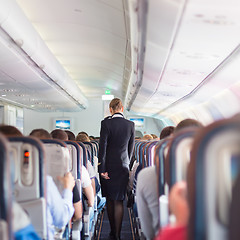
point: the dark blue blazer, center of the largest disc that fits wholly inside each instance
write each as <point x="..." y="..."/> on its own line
<point x="116" y="143"/>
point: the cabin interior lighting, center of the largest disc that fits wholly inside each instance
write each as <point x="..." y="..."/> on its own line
<point x="107" y="97"/>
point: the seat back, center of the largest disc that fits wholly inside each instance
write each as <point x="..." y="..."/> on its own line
<point x="84" y="154"/>
<point x="29" y="177"/>
<point x="95" y="148"/>
<point x="58" y="160"/>
<point x="90" y="150"/>
<point x="75" y="158"/>
<point x="75" y="152"/>
<point x="160" y="152"/>
<point x="5" y="190"/>
<point x="215" y="159"/>
<point x="234" y="216"/>
<point x="178" y="156"/>
<point x="150" y="151"/>
<point x="159" y="163"/>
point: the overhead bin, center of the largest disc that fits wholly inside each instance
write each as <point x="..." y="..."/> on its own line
<point x="17" y="26"/>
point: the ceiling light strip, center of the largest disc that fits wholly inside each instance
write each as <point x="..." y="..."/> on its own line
<point x="204" y="81"/>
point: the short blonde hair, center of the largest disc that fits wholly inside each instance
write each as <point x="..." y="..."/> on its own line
<point x="147" y="137"/>
<point x="81" y="137"/>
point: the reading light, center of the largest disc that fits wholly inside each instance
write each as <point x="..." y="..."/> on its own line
<point x="107" y="97"/>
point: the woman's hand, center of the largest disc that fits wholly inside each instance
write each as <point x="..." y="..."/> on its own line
<point x="105" y="175"/>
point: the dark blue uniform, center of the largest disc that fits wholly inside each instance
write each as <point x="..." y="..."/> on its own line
<point x="115" y="151"/>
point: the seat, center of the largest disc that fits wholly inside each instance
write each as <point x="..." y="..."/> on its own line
<point x="87" y="210"/>
<point x="234" y="216"/>
<point x="215" y="160"/>
<point x="58" y="163"/>
<point x="58" y="160"/>
<point x="90" y="149"/>
<point x="175" y="167"/>
<point x="28" y="156"/>
<point x="75" y="155"/>
<point x="5" y="190"/>
<point x="178" y="155"/>
<point x="160" y="155"/>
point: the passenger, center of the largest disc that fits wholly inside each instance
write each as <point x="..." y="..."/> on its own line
<point x="59" y="134"/>
<point x="146" y="192"/>
<point x="115" y="151"/>
<point x="178" y="206"/>
<point x="147" y="137"/>
<point x="40" y="133"/>
<point x="82" y="137"/>
<point x="155" y="137"/>
<point x="87" y="187"/>
<point x="91" y="138"/>
<point x="167" y="131"/>
<point x="187" y="123"/>
<point x="10" y="131"/>
<point x="71" y="135"/>
<point x="59" y="208"/>
<point x="83" y="133"/>
<point x="21" y="225"/>
<point x="147" y="201"/>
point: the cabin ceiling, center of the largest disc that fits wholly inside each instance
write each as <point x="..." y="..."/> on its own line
<point x="160" y="57"/>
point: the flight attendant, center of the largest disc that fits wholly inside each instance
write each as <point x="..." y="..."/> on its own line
<point x="115" y="151"/>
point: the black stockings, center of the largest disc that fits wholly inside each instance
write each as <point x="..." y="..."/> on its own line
<point x="115" y="216"/>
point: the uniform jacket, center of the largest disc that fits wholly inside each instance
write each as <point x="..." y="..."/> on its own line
<point x="116" y="143"/>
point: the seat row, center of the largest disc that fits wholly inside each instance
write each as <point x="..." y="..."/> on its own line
<point x="24" y="164"/>
<point x="208" y="160"/>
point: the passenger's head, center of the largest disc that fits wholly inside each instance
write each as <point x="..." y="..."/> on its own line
<point x="147" y="137"/>
<point x="115" y="106"/>
<point x="82" y="138"/>
<point x="154" y="136"/>
<point x="40" y="133"/>
<point x="10" y="131"/>
<point x="167" y="131"/>
<point x="91" y="138"/>
<point x="71" y="135"/>
<point x="83" y="133"/>
<point x="188" y="123"/>
<point x="59" y="134"/>
<point x="178" y="203"/>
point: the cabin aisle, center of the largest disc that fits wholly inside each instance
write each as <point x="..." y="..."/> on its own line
<point x="126" y="233"/>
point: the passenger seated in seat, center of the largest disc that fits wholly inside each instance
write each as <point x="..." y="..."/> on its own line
<point x="21" y="225"/>
<point x="178" y="206"/>
<point x="147" y="201"/>
<point x="44" y="134"/>
<point x="40" y="133"/>
<point x="83" y="137"/>
<point x="59" y="208"/>
<point x="147" y="137"/>
<point x="10" y="131"/>
<point x="59" y="134"/>
<point x="71" y="135"/>
<point x="187" y="123"/>
<point x="167" y="131"/>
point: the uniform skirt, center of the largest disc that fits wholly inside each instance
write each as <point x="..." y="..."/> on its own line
<point x="115" y="187"/>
